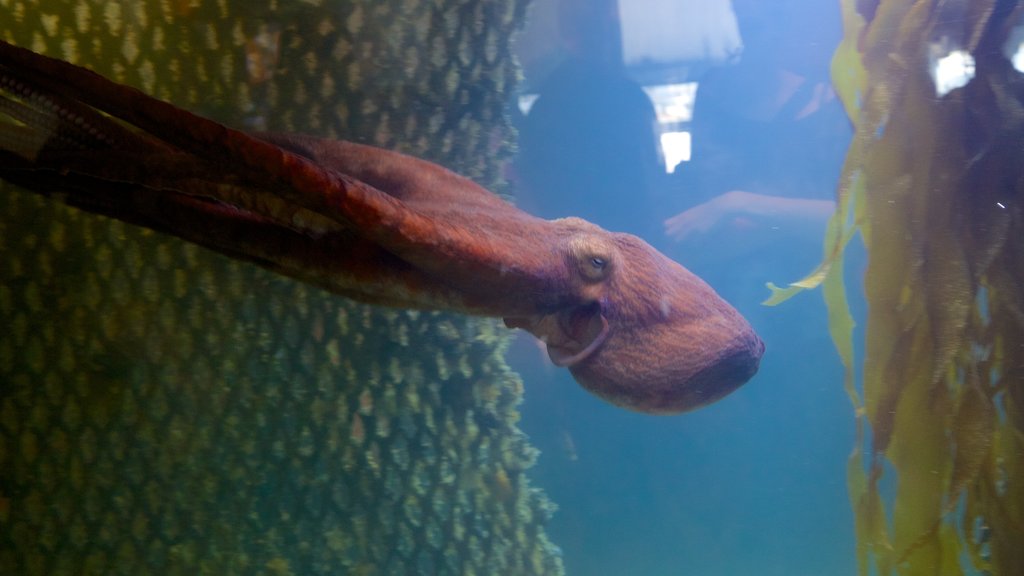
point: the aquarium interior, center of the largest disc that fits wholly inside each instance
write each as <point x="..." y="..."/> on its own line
<point x="164" y="410"/>
<point x="756" y="483"/>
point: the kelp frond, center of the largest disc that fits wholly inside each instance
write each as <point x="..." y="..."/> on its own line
<point x="934" y="183"/>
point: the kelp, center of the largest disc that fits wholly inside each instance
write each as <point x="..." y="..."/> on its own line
<point x="933" y="183"/>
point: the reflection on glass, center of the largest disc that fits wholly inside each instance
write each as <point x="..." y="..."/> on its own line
<point x="673" y="102"/>
<point x="1014" y="48"/>
<point x="951" y="71"/>
<point x="676" y="148"/>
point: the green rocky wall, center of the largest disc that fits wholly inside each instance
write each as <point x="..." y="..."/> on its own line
<point x="164" y="410"/>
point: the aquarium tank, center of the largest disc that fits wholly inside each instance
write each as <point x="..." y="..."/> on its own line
<point x="844" y="173"/>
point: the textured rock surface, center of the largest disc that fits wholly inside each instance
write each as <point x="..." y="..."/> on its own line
<point x="164" y="410"/>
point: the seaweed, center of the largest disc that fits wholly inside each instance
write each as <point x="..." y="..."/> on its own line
<point x="933" y="183"/>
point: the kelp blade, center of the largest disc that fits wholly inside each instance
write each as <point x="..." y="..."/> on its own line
<point x="934" y="182"/>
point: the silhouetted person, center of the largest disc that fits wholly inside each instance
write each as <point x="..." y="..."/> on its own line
<point x="588" y="146"/>
<point x="769" y="138"/>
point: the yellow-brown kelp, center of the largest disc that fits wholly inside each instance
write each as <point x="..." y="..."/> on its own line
<point x="934" y="183"/>
<point x="163" y="410"/>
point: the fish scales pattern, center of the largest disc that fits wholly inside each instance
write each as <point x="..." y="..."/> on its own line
<point x="165" y="410"/>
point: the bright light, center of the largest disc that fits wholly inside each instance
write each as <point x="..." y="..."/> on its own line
<point x="1014" y="47"/>
<point x="1018" y="58"/>
<point x="952" y="71"/>
<point x="673" y="102"/>
<point x="526" y="102"/>
<point x="676" y="147"/>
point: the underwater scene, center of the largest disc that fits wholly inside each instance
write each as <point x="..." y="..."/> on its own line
<point x="512" y="287"/>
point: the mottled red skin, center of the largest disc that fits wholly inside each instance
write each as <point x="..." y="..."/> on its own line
<point x="633" y="326"/>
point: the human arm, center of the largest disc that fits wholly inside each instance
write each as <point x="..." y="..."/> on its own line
<point x="800" y="215"/>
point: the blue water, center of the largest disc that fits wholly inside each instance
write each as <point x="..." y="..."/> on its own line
<point x="753" y="484"/>
<point x="756" y="483"/>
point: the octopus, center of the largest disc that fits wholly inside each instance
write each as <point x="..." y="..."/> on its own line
<point x="631" y="325"/>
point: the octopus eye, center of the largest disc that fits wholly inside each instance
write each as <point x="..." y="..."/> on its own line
<point x="595" y="268"/>
<point x="594" y="256"/>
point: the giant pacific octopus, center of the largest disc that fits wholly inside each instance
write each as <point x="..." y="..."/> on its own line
<point x="631" y="325"/>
